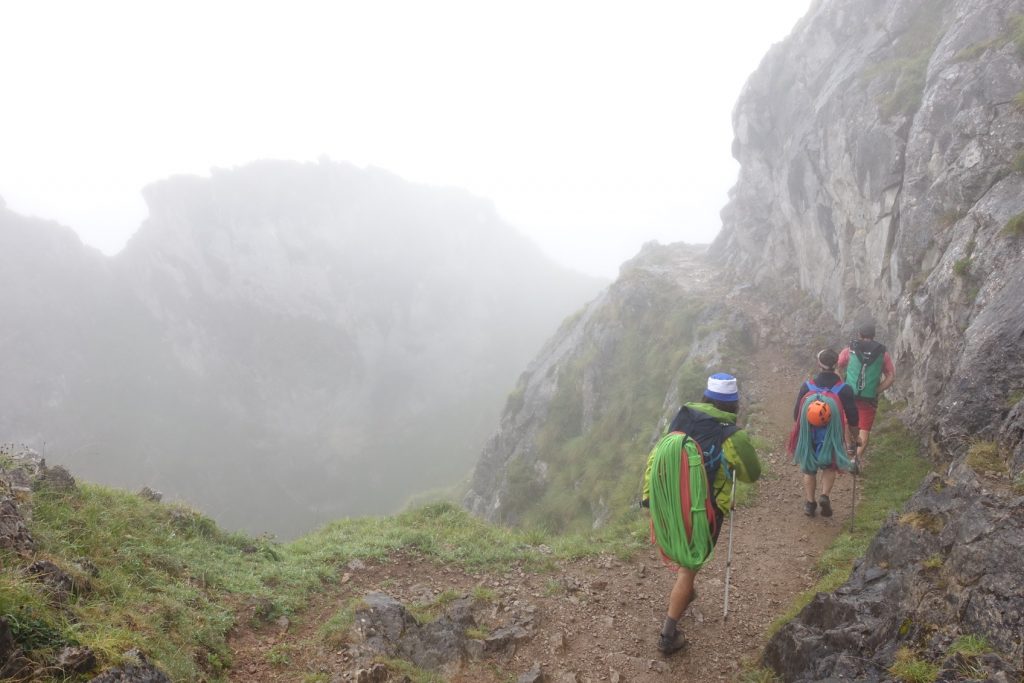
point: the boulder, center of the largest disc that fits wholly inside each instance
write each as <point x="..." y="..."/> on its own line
<point x="137" y="669"/>
<point x="14" y="534"/>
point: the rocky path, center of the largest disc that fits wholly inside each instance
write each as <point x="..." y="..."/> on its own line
<point x="597" y="620"/>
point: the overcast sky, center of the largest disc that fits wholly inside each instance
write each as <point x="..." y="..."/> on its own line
<point x="593" y="126"/>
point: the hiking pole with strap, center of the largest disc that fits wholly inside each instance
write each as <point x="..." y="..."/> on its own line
<point x="728" y="559"/>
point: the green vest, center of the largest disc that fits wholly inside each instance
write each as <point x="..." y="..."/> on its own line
<point x="864" y="370"/>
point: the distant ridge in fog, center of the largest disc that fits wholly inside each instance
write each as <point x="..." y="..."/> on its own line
<point x="279" y="344"/>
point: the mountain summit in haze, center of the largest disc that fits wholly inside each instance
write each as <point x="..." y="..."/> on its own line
<point x="280" y="343"/>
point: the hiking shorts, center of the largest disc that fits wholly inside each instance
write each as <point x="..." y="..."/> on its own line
<point x="866" y="414"/>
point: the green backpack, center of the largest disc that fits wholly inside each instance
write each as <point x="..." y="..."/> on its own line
<point x="865" y="368"/>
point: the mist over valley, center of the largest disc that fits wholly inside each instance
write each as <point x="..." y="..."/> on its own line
<point x="280" y="344"/>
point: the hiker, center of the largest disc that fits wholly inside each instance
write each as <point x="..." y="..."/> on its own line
<point x="869" y="372"/>
<point x="818" y="427"/>
<point x="686" y="488"/>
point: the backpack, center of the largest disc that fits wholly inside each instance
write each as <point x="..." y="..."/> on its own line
<point x="865" y="367"/>
<point x="815" y="444"/>
<point x="710" y="435"/>
<point x="683" y="512"/>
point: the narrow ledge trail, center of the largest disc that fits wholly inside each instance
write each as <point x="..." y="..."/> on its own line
<point x="604" y="624"/>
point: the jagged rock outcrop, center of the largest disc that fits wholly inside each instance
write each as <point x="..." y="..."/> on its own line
<point x="386" y="627"/>
<point x="279" y="344"/>
<point x="14" y="534"/>
<point x="881" y="163"/>
<point x="949" y="565"/>
<point x="138" y="669"/>
<point x="882" y="153"/>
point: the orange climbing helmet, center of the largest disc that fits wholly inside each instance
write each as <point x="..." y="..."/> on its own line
<point x="818" y="413"/>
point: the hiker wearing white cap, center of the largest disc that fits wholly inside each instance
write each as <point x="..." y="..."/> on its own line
<point x="703" y="433"/>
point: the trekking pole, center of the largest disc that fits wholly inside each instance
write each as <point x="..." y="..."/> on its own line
<point x="728" y="559"/>
<point x="854" y="471"/>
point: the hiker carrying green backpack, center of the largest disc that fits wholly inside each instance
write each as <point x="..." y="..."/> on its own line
<point x="686" y="487"/>
<point x="825" y="421"/>
<point x="869" y="371"/>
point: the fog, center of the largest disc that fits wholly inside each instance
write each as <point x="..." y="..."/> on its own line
<point x="332" y="235"/>
<point x="594" y="127"/>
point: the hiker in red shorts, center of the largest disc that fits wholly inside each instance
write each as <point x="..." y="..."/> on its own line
<point x="869" y="371"/>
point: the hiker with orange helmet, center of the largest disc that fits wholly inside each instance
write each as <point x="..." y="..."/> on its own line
<point x="819" y="439"/>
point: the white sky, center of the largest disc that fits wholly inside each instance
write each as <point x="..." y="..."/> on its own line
<point x="593" y="126"/>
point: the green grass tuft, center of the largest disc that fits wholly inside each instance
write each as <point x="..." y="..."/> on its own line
<point x="909" y="669"/>
<point x="411" y="671"/>
<point x="923" y="521"/>
<point x="985" y="457"/>
<point x="757" y="675"/>
<point x="1014" y="227"/>
<point x="969" y="646"/>
<point x="1018" y="163"/>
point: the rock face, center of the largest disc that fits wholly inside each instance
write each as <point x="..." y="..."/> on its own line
<point x="142" y="672"/>
<point x="949" y="565"/>
<point x="882" y="152"/>
<point x="269" y="334"/>
<point x="387" y="628"/>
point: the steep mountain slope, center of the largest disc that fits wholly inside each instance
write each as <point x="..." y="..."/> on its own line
<point x="280" y="344"/>
<point x="881" y="151"/>
<point x="600" y="390"/>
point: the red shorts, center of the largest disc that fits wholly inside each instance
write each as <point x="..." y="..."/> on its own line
<point x="865" y="414"/>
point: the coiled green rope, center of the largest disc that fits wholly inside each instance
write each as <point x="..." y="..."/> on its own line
<point x="679" y="502"/>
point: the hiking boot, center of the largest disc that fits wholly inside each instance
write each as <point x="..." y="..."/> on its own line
<point x="826" y="506"/>
<point x="809" y="508"/>
<point x="669" y="644"/>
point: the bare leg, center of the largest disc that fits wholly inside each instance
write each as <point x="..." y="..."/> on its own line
<point x="828" y="478"/>
<point x="863" y="444"/>
<point x="682" y="593"/>
<point x="810" y="483"/>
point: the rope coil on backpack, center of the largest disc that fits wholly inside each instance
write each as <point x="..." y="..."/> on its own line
<point x="682" y="514"/>
<point x="830" y="448"/>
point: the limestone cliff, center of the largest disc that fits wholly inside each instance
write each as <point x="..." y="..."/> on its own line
<point x="882" y="153"/>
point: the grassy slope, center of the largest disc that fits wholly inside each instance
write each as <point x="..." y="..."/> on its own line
<point x="170" y="582"/>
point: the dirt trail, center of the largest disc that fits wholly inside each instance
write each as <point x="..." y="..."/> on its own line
<point x="601" y="617"/>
